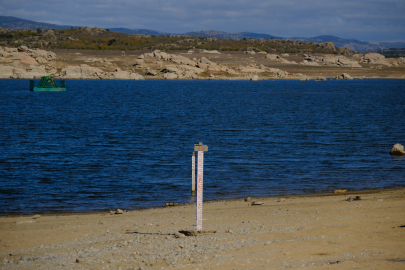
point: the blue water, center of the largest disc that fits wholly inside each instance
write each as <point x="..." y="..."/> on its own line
<point x="107" y="144"/>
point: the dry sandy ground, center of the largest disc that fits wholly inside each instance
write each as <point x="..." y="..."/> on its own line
<point x="305" y="232"/>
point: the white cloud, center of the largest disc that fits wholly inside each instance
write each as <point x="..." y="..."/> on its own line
<point x="371" y="20"/>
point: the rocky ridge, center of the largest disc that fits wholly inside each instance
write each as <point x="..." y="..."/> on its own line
<point x="26" y="63"/>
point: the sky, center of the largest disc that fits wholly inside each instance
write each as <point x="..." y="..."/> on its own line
<point x="367" y="20"/>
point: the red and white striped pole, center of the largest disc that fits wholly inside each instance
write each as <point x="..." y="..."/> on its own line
<point x="201" y="149"/>
<point x="193" y="174"/>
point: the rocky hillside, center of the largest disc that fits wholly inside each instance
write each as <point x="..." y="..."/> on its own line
<point x="13" y="23"/>
<point x="27" y="63"/>
<point x="100" y="39"/>
<point x="393" y="53"/>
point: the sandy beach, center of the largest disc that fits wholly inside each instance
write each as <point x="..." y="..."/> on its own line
<point x="321" y="231"/>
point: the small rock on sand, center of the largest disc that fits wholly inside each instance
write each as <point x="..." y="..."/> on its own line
<point x="340" y="191"/>
<point x="179" y="235"/>
<point x="257" y="203"/>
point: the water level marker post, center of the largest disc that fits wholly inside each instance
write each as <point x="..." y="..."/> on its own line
<point x="201" y="149"/>
<point x="193" y="173"/>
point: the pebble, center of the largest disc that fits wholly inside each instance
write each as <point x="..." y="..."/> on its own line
<point x="340" y="191"/>
<point x="257" y="203"/>
<point x="179" y="235"/>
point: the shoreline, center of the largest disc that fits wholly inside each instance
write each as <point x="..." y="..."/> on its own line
<point x="321" y="232"/>
<point x="25" y="63"/>
<point x="219" y="79"/>
<point x="322" y="194"/>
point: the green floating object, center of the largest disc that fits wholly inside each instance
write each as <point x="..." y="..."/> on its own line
<point x="48" y="84"/>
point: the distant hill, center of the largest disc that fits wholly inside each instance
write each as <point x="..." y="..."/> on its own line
<point x="395" y="45"/>
<point x="232" y="36"/>
<point x="21" y="24"/>
<point x="353" y="44"/>
<point x="139" y="31"/>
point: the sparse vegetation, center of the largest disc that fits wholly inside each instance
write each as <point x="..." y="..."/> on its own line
<point x="100" y="39"/>
<point x="393" y="53"/>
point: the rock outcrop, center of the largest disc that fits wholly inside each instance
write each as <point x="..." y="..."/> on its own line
<point x="343" y="76"/>
<point x="397" y="150"/>
<point x="330" y="60"/>
<point x="210" y="51"/>
<point x="83" y="72"/>
<point x="93" y="30"/>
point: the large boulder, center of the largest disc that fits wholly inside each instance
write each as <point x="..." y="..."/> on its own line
<point x="376" y="58"/>
<point x="42" y="53"/>
<point x="22" y="49"/>
<point x="6" y="72"/>
<point x="190" y="75"/>
<point x="37" y="72"/>
<point x="272" y="56"/>
<point x="190" y="68"/>
<point x="282" y="74"/>
<point x="27" y="60"/>
<point x="151" y="72"/>
<point x="330" y="46"/>
<point x="178" y="59"/>
<point x="171" y="69"/>
<point x="211" y="51"/>
<point x="6" y="61"/>
<point x="122" y="75"/>
<point x="41" y="60"/>
<point x="202" y="66"/>
<point x="71" y="72"/>
<point x="252" y="70"/>
<point x="343" y="76"/>
<point x="82" y="72"/>
<point x="139" y="62"/>
<point x="90" y="72"/>
<point x="372" y="57"/>
<point x="170" y="76"/>
<point x="343" y="61"/>
<point x="204" y="60"/>
<point x="136" y="76"/>
<point x="21" y="73"/>
<point x="397" y="150"/>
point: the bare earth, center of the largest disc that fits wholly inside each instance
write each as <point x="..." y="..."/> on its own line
<point x="323" y="231"/>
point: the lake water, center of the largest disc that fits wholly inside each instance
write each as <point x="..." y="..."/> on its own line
<point x="107" y="144"/>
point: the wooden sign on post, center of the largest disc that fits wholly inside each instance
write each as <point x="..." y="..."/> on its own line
<point x="201" y="149"/>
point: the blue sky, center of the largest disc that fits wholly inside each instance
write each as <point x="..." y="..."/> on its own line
<point x="368" y="20"/>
